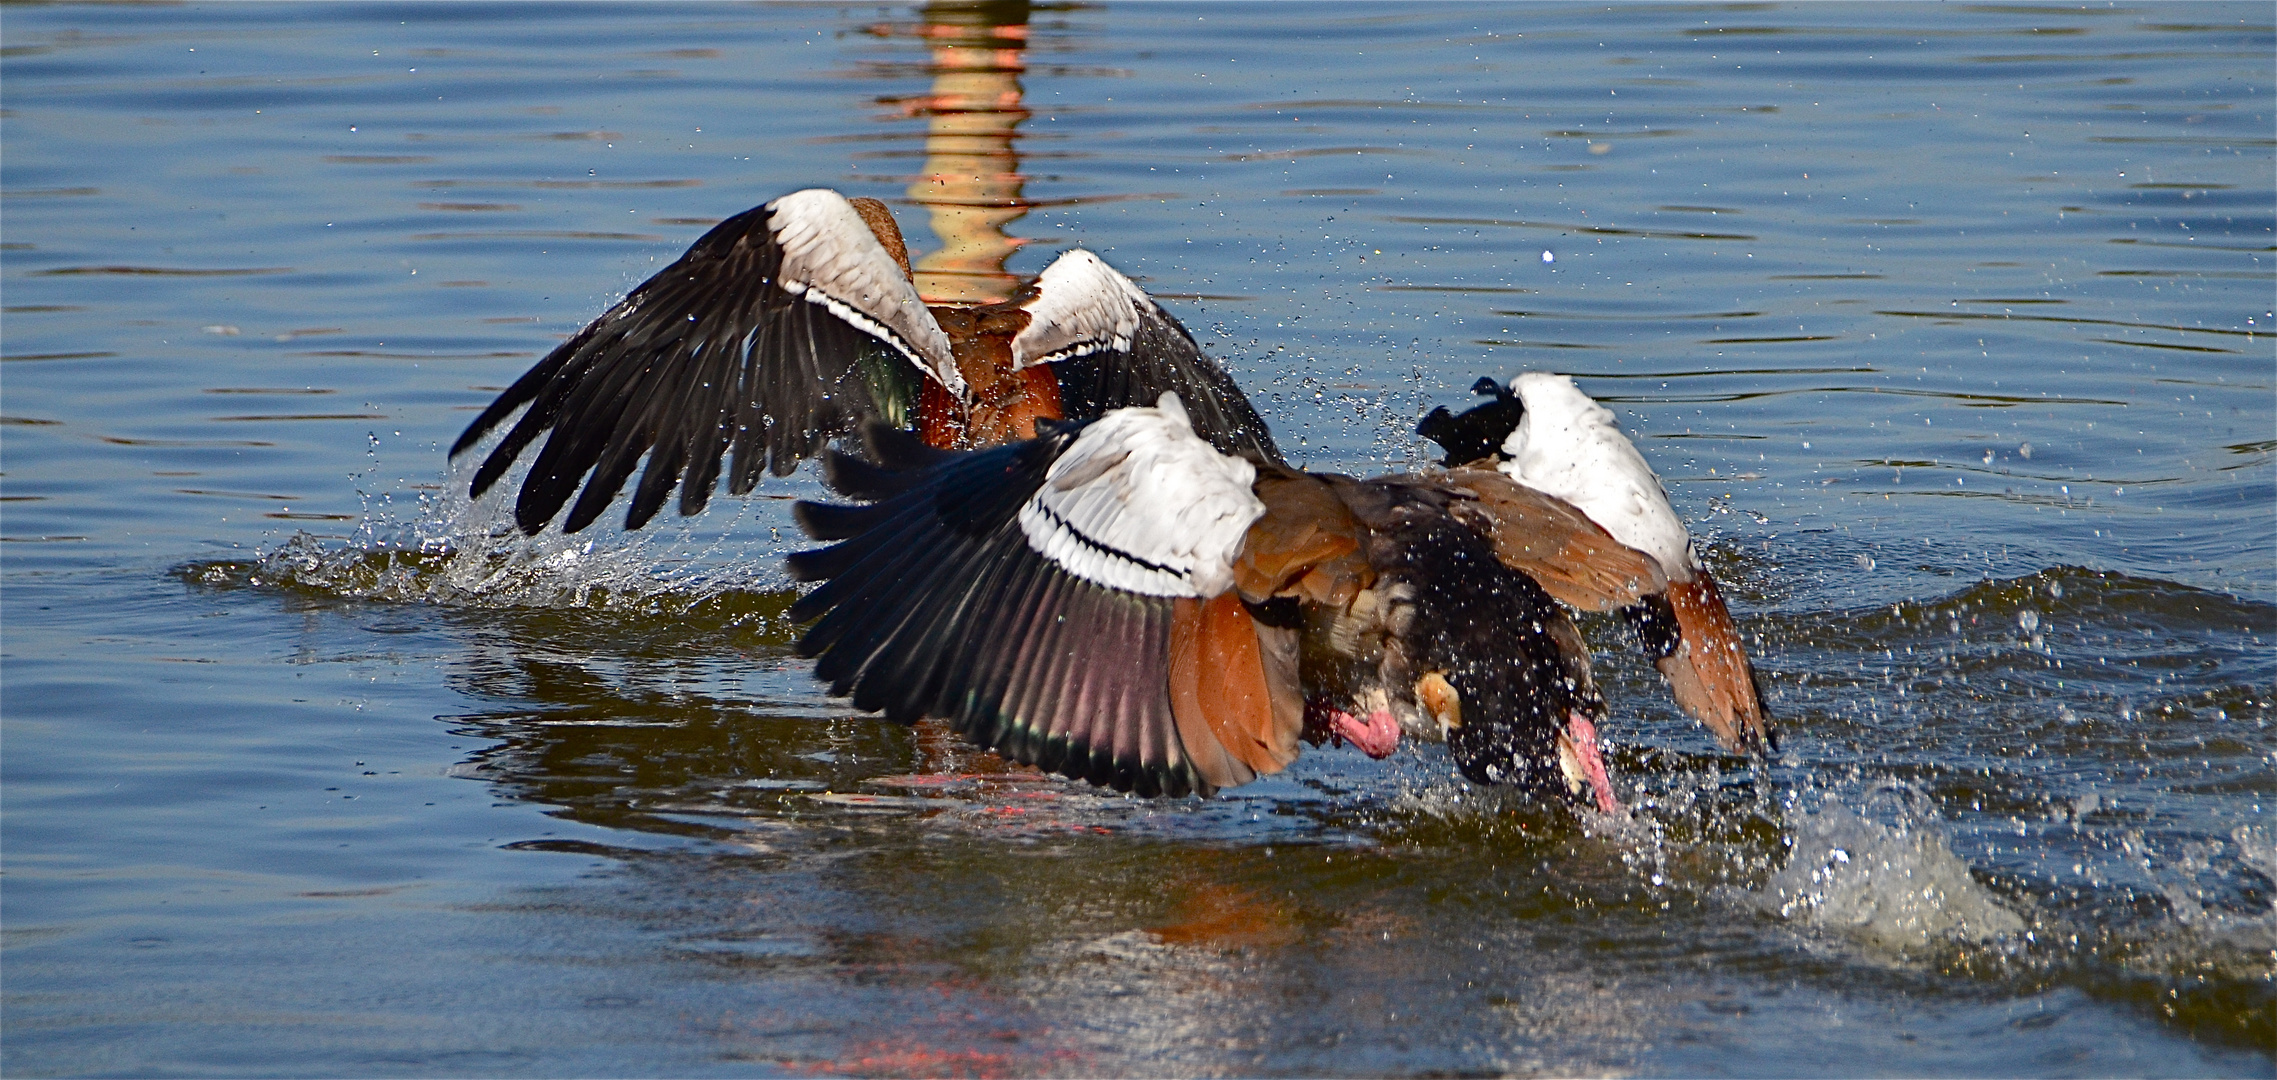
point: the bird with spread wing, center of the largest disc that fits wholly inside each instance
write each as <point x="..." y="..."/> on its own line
<point x="1075" y="542"/>
<point x="788" y="325"/>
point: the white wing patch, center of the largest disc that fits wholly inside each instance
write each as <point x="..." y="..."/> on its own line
<point x="1567" y="445"/>
<point x="1082" y="306"/>
<point x="831" y="258"/>
<point x="1142" y="504"/>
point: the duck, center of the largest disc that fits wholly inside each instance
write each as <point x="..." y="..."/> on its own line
<point x="1119" y="602"/>
<point x="1542" y="432"/>
<point x="1071" y="536"/>
<point x="795" y="322"/>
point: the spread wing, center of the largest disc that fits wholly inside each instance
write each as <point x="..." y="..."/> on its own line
<point x="1066" y="601"/>
<point x="1704" y="661"/>
<point x="1113" y="347"/>
<point x="780" y="329"/>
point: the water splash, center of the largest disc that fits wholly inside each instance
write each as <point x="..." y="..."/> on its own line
<point x="2218" y="928"/>
<point x="452" y="550"/>
<point x="1896" y="886"/>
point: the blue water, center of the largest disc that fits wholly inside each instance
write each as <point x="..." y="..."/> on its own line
<point x="1947" y="326"/>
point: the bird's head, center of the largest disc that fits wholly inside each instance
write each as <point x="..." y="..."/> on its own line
<point x="1501" y="732"/>
<point x="1498" y="669"/>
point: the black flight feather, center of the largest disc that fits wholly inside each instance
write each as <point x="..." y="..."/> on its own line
<point x="1478" y="432"/>
<point x="934" y="604"/>
<point x="712" y="356"/>
<point x="1163" y="356"/>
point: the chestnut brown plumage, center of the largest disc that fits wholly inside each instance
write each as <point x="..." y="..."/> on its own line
<point x="1073" y="538"/>
<point x="1374" y="597"/>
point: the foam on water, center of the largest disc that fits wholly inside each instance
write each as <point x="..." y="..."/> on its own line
<point x="1984" y="465"/>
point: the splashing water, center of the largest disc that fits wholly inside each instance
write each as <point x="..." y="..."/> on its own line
<point x="2229" y="938"/>
<point x="467" y="552"/>
<point x="1897" y="886"/>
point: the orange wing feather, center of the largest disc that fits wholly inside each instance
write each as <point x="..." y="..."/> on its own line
<point x="1234" y="723"/>
<point x="1547" y="539"/>
<point x="1306" y="544"/>
<point x="1708" y="672"/>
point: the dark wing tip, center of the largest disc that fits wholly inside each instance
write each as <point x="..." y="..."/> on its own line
<point x="709" y="357"/>
<point x="1436" y="425"/>
<point x="1477" y="432"/>
<point x="472" y="435"/>
<point x="1768" y="734"/>
<point x="934" y="603"/>
<point x="898" y="449"/>
<point x="523" y="390"/>
<point x="859" y="478"/>
<point x="1097" y="377"/>
<point x="834" y="521"/>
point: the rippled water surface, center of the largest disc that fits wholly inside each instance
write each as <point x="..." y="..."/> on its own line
<point x="1947" y="327"/>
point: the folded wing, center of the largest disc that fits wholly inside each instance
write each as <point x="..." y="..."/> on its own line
<point x="783" y="327"/>
<point x="1548" y="540"/>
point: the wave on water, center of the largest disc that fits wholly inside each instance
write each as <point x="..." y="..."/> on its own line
<point x="2051" y="780"/>
<point x="1877" y="868"/>
<point x="2216" y="931"/>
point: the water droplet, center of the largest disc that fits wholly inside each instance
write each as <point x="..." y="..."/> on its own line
<point x="2028" y="619"/>
<point x="1548" y="258"/>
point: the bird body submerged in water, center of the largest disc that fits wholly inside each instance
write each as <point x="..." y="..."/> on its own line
<point x="1077" y="543"/>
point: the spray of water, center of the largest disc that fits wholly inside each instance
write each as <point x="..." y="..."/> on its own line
<point x="1880" y="871"/>
<point x="445" y="548"/>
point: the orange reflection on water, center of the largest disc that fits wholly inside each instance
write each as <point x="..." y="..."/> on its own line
<point x="970" y="184"/>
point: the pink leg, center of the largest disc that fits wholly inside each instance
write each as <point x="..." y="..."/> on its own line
<point x="1584" y="737"/>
